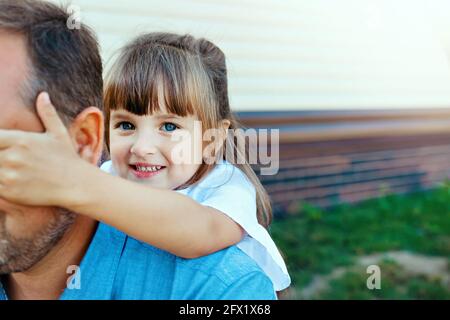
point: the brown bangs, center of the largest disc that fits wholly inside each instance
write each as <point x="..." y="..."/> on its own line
<point x="147" y="81"/>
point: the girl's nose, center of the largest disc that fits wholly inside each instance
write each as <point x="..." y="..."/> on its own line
<point x="144" y="146"/>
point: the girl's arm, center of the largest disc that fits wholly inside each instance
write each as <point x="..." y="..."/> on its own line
<point x="163" y="218"/>
<point x="43" y="169"/>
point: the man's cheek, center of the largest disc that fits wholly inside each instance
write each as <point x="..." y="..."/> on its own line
<point x="23" y="221"/>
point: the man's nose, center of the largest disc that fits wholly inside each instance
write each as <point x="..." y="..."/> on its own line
<point x="145" y="145"/>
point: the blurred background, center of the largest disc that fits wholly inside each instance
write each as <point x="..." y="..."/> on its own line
<point x="360" y="91"/>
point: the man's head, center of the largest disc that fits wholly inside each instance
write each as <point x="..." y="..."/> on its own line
<point x="38" y="52"/>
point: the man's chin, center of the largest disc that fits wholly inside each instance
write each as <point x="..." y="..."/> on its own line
<point x="21" y="254"/>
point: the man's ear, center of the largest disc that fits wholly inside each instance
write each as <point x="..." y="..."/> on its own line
<point x="87" y="134"/>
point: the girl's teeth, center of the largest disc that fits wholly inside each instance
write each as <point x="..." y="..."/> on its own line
<point x="147" y="169"/>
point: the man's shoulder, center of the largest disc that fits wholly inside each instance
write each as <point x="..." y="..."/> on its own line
<point x="226" y="274"/>
<point x="147" y="272"/>
<point x="228" y="265"/>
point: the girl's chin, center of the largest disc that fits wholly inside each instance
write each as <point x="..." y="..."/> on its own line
<point x="151" y="182"/>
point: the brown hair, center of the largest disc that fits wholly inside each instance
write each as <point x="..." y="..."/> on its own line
<point x="66" y="63"/>
<point x="190" y="77"/>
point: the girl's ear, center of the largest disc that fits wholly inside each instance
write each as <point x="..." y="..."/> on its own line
<point x="213" y="151"/>
<point x="87" y="134"/>
<point x="226" y="124"/>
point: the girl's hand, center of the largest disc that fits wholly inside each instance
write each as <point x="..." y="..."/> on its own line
<point x="39" y="168"/>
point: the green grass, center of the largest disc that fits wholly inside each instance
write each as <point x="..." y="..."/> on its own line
<point x="396" y="284"/>
<point x="315" y="241"/>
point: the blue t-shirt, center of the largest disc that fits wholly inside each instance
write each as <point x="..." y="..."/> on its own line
<point x="117" y="266"/>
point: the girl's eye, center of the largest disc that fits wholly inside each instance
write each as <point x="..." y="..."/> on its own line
<point x="169" y="127"/>
<point x="125" y="125"/>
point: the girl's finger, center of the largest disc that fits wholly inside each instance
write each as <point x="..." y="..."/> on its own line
<point x="48" y="115"/>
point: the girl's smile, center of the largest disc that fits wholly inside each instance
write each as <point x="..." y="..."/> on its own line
<point x="145" y="170"/>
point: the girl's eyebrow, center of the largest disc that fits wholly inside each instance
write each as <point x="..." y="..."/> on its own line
<point x="119" y="116"/>
<point x="127" y="115"/>
<point x="169" y="116"/>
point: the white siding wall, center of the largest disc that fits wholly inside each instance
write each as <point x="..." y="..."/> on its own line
<point x="304" y="54"/>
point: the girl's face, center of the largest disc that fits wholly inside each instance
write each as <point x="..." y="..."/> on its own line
<point x="142" y="147"/>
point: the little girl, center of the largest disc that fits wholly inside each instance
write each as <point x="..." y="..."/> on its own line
<point x="164" y="87"/>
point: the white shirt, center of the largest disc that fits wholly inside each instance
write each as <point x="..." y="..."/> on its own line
<point x="227" y="189"/>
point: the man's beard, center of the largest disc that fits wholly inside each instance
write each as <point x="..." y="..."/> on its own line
<point x="20" y="254"/>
